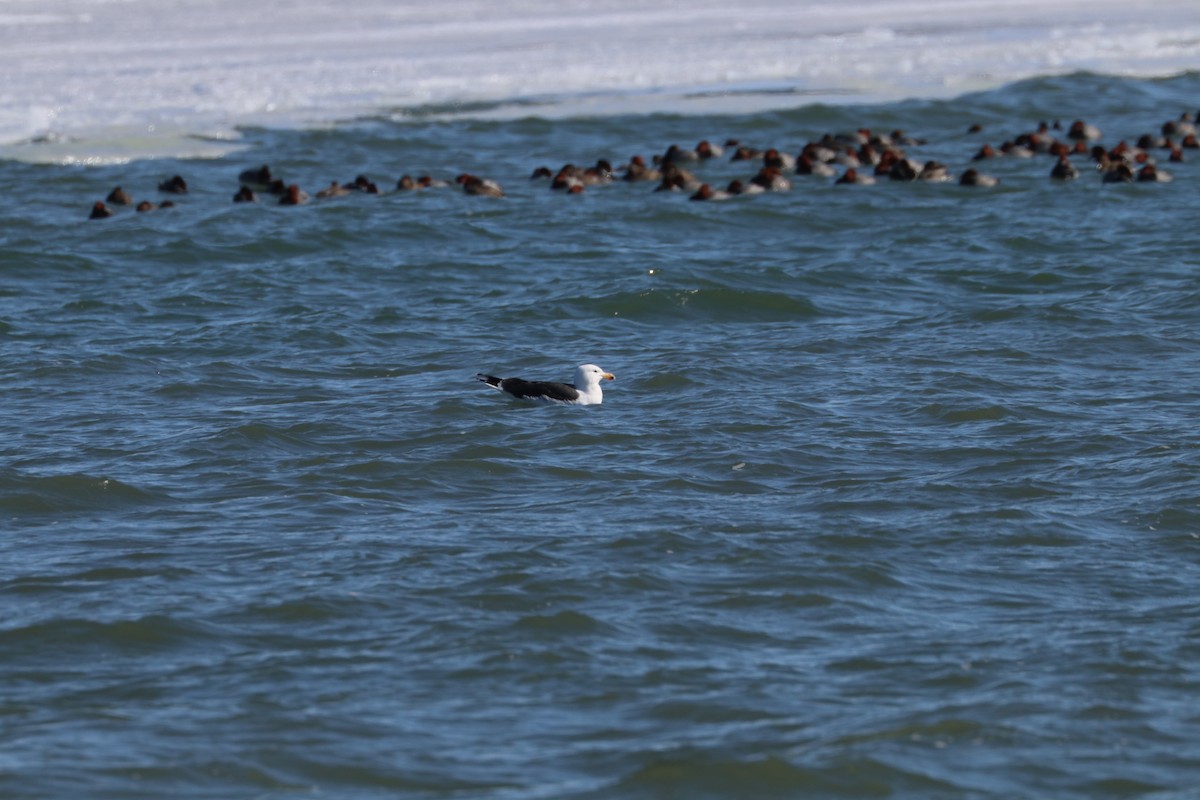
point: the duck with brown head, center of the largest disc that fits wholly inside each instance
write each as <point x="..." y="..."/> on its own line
<point x="100" y="211"/>
<point x="294" y="196"/>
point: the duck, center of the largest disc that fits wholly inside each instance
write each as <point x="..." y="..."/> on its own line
<point x="1179" y="127"/>
<point x="101" y="211"/>
<point x="868" y="155"/>
<point x="1060" y="149"/>
<point x="1119" y="173"/>
<point x="599" y="173"/>
<point x="887" y="160"/>
<point x="176" y="185"/>
<point x="985" y="151"/>
<point x="567" y="179"/>
<point x="1016" y="150"/>
<point x="675" y="154"/>
<point x="738" y="187"/>
<point x="1151" y="174"/>
<point x="334" y="189"/>
<point x="707" y="192"/>
<point x="119" y="197"/>
<point x="805" y="165"/>
<point x="245" y="195"/>
<point x="294" y="196"/>
<point x="852" y="138"/>
<point x="771" y="179"/>
<point x="934" y="172"/>
<point x="362" y="183"/>
<point x="637" y="170"/>
<point x="675" y="178"/>
<point x="1148" y="141"/>
<point x="406" y="184"/>
<point x="744" y="153"/>
<point x="256" y="177"/>
<point x="900" y="138"/>
<point x="904" y="169"/>
<point x="853" y="177"/>
<point x="429" y="182"/>
<point x="672" y="181"/>
<point x="776" y="160"/>
<point x="973" y="177"/>
<point x="482" y="187"/>
<point x="1064" y="170"/>
<point x="585" y="390"/>
<point x="1082" y="130"/>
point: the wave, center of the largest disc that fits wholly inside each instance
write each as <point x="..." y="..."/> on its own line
<point x="25" y="494"/>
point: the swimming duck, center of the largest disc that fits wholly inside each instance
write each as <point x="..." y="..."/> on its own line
<point x="972" y="177"/>
<point x="481" y="187"/>
<point x="904" y="169"/>
<point x="805" y="165"/>
<point x="773" y="159"/>
<point x="637" y="170"/>
<point x="362" y="183"/>
<point x="119" y="197"/>
<point x="294" y="196"/>
<point x="986" y="151"/>
<point x="1179" y="127"/>
<point x="743" y="153"/>
<point x="1064" y="170"/>
<point x="1151" y="174"/>
<point x="257" y="177"/>
<point x="853" y="177"/>
<point x="706" y="192"/>
<point x="101" y="211"/>
<point x="1082" y="130"/>
<point x="771" y="179"/>
<point x="429" y="182"/>
<point x="934" y="172"/>
<point x="334" y="189"/>
<point x="176" y="185"/>
<point x="1120" y="173"/>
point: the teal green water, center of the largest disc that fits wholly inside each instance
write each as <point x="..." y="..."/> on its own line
<point x="894" y="495"/>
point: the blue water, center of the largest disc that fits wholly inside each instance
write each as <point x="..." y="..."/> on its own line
<point x="894" y="494"/>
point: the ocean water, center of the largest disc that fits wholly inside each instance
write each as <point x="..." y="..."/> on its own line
<point x="894" y="494"/>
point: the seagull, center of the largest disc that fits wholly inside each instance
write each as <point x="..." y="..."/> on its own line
<point x="585" y="391"/>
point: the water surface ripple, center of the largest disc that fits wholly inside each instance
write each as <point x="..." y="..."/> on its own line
<point x="895" y="494"/>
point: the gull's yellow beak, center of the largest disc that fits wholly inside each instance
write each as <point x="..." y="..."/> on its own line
<point x="608" y="376"/>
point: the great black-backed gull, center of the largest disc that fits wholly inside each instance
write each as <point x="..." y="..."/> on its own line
<point x="585" y="391"/>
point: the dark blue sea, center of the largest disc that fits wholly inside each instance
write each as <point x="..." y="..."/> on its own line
<point x="896" y="493"/>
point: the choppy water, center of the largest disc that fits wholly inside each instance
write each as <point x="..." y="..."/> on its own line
<point x="895" y="494"/>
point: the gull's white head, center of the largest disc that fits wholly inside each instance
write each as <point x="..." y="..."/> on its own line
<point x="587" y="381"/>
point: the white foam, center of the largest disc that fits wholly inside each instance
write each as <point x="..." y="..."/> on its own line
<point x="146" y="73"/>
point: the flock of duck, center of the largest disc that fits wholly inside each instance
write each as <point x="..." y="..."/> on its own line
<point x="858" y="157"/>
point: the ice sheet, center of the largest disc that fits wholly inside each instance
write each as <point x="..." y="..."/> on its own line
<point x="131" y="78"/>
